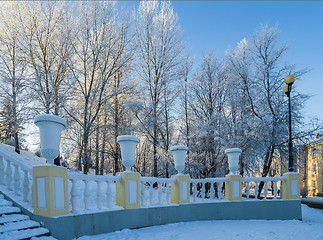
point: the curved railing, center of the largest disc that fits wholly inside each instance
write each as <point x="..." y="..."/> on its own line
<point x="155" y="191"/>
<point x="251" y="187"/>
<point x="16" y="177"/>
<point x="91" y="192"/>
<point x="208" y="188"/>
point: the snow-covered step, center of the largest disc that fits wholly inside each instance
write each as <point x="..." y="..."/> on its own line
<point x="9" y="210"/>
<point x="43" y="238"/>
<point x="29" y="233"/>
<point x="13" y="218"/>
<point x="4" y="202"/>
<point x="13" y="226"/>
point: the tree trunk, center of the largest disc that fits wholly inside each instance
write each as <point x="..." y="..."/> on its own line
<point x="57" y="161"/>
<point x="187" y="128"/>
<point x="103" y="148"/>
<point x="266" y="167"/>
<point x="85" y="152"/>
<point x="14" y="105"/>
<point x="97" y="149"/>
<point x="116" y="125"/>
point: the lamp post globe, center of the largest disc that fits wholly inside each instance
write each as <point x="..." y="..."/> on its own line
<point x="289" y="79"/>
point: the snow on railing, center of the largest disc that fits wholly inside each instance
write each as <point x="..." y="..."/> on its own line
<point x="16" y="176"/>
<point x="251" y="187"/>
<point x="208" y="188"/>
<point x="155" y="191"/>
<point x="92" y="192"/>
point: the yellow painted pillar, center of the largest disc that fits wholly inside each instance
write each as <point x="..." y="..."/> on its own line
<point x="50" y="197"/>
<point x="127" y="190"/>
<point x="291" y="187"/>
<point x="233" y="190"/>
<point x="180" y="190"/>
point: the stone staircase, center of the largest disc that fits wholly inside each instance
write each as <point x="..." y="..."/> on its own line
<point x="14" y="225"/>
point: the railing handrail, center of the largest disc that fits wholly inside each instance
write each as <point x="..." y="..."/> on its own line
<point x="155" y="179"/>
<point x="79" y="176"/>
<point x="16" y="160"/>
<point x="206" y="180"/>
<point x="263" y="179"/>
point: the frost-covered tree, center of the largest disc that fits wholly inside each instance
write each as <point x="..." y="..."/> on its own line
<point x="160" y="45"/>
<point x="207" y="103"/>
<point x="184" y="118"/>
<point x="47" y="44"/>
<point x="241" y="119"/>
<point x="13" y="73"/>
<point x="270" y="70"/>
<point x="101" y="48"/>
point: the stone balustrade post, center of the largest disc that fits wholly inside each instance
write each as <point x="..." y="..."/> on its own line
<point x="291" y="187"/>
<point x="233" y="189"/>
<point x="180" y="190"/>
<point x="128" y="189"/>
<point x="50" y="193"/>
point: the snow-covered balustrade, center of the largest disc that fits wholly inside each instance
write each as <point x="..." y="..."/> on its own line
<point x="208" y="188"/>
<point x="270" y="187"/>
<point x="91" y="192"/>
<point x="155" y="191"/>
<point x="16" y="177"/>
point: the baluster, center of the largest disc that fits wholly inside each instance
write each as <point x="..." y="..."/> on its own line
<point x="212" y="190"/>
<point x="32" y="197"/>
<point x="109" y="195"/>
<point x="167" y="192"/>
<point x="265" y="189"/>
<point x="203" y="191"/>
<point x="8" y="175"/>
<point x="142" y="194"/>
<point x="73" y="193"/>
<point x="217" y="189"/>
<point x="275" y="189"/>
<point x="247" y="190"/>
<point x="98" y="194"/>
<point x="25" y="186"/>
<point x="256" y="190"/>
<point x="1" y="170"/>
<point x="150" y="193"/>
<point x="223" y="191"/>
<point x="194" y="191"/>
<point x="16" y="179"/>
<point x="86" y="194"/>
<point x="219" y="185"/>
<point x="160" y="192"/>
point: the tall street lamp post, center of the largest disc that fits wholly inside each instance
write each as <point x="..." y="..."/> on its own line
<point x="289" y="80"/>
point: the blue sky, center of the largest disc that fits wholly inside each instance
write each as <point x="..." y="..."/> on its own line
<point x="217" y="25"/>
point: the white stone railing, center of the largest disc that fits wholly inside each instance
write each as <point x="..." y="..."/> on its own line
<point x="155" y="191"/>
<point x="208" y="188"/>
<point x="91" y="192"/>
<point x="251" y="187"/>
<point x="16" y="177"/>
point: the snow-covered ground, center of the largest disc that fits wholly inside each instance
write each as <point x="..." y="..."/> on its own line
<point x="310" y="228"/>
